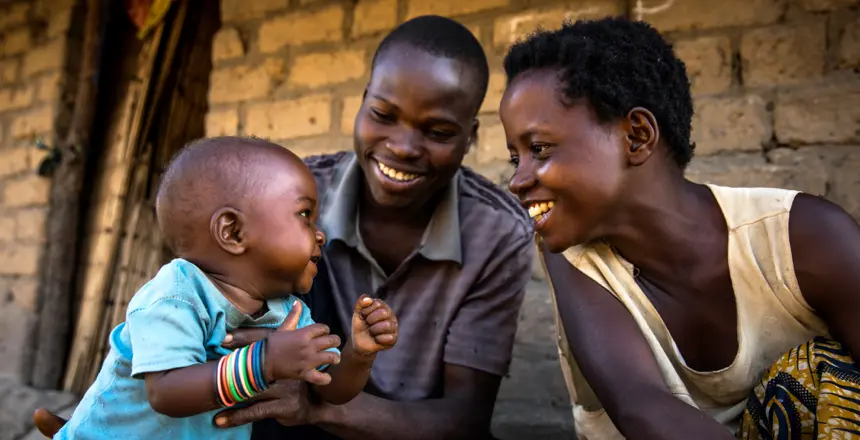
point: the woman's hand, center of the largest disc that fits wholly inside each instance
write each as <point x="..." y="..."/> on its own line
<point x="285" y="401"/>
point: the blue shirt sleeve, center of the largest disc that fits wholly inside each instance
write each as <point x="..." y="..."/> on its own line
<point x="306" y="320"/>
<point x="166" y="334"/>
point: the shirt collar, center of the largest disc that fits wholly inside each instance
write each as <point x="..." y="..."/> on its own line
<point x="441" y="240"/>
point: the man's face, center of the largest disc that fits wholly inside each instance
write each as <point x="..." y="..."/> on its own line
<point x="415" y="125"/>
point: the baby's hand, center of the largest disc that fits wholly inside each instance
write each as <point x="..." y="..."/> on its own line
<point x="374" y="326"/>
<point x="296" y="354"/>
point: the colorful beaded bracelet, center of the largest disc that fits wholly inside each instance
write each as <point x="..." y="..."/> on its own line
<point x="239" y="375"/>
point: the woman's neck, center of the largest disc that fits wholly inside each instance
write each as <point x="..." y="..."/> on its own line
<point x="672" y="226"/>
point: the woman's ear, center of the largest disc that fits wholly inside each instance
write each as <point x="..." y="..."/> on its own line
<point x="228" y="230"/>
<point x="643" y="134"/>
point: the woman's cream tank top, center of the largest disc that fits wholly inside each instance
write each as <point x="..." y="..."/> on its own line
<point x="773" y="317"/>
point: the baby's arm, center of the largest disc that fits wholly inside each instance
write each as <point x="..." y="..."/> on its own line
<point x="374" y="328"/>
<point x="348" y="377"/>
<point x="183" y="392"/>
<point x="165" y="336"/>
<point x="168" y="337"/>
<point x="168" y="345"/>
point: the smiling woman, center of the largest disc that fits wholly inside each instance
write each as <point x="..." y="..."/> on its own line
<point x="674" y="299"/>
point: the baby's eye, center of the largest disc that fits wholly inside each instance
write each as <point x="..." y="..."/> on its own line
<point x="441" y="134"/>
<point x="306" y="213"/>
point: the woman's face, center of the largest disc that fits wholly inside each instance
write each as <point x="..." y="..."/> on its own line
<point x="570" y="169"/>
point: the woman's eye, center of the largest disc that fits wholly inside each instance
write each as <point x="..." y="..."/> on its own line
<point x="514" y="160"/>
<point x="306" y="213"/>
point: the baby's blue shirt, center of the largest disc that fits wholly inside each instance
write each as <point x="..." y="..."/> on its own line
<point x="177" y="319"/>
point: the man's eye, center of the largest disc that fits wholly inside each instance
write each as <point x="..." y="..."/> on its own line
<point x="380" y="115"/>
<point x="539" y="148"/>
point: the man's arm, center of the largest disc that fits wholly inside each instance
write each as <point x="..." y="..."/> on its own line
<point x="618" y="364"/>
<point x="463" y="413"/>
<point x="825" y="247"/>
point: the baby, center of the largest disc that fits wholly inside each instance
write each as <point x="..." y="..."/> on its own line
<point x="240" y="214"/>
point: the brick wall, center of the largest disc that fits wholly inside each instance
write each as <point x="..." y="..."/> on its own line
<point x="775" y="81"/>
<point x="33" y="44"/>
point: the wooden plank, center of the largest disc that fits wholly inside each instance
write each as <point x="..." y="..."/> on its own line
<point x="96" y="277"/>
<point x="62" y="228"/>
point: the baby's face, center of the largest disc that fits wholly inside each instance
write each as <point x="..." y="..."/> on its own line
<point x="286" y="242"/>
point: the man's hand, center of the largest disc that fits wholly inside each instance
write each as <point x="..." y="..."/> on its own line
<point x="245" y="336"/>
<point x="285" y="401"/>
<point x="374" y="326"/>
<point x="296" y="354"/>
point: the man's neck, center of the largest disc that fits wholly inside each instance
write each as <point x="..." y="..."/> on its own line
<point x="413" y="215"/>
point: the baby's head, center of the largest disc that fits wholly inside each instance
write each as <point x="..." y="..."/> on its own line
<point x="244" y="209"/>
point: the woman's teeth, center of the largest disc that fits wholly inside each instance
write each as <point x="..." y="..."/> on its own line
<point x="396" y="175"/>
<point x="539" y="209"/>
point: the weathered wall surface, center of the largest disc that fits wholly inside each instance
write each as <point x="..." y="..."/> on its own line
<point x="33" y="68"/>
<point x="775" y="82"/>
<point x="34" y="102"/>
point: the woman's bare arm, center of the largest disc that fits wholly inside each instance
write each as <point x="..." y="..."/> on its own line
<point x="825" y="247"/>
<point x="617" y="362"/>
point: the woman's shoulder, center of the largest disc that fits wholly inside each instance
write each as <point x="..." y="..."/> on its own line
<point x="747" y="205"/>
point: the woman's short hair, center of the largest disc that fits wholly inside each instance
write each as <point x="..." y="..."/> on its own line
<point x="615" y="64"/>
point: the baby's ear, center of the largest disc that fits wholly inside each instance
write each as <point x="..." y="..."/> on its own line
<point x="227" y="228"/>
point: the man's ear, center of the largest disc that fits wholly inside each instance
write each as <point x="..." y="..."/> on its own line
<point x="228" y="230"/>
<point x="473" y="136"/>
<point x="642" y="135"/>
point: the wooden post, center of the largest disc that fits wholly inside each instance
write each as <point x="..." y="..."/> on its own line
<point x="61" y="259"/>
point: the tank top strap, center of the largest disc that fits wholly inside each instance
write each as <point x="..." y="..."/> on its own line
<point x="758" y="222"/>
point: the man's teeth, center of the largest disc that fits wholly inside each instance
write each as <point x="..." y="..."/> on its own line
<point x="540" y="208"/>
<point x="396" y="175"/>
